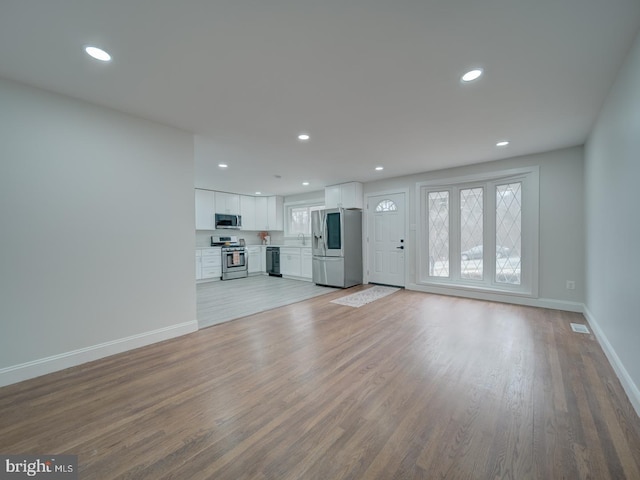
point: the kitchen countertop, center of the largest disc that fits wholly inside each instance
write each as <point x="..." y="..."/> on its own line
<point x="289" y="246"/>
<point x="273" y="245"/>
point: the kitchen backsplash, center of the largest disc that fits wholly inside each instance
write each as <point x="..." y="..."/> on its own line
<point x="203" y="237"/>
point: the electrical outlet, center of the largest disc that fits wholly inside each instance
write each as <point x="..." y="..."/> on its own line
<point x="571" y="285"/>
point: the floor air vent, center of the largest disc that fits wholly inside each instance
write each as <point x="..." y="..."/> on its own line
<point x="579" y="328"/>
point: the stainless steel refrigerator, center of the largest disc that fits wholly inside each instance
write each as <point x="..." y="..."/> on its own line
<point x="337" y="247"/>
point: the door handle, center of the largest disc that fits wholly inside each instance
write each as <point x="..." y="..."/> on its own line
<point x="401" y="248"/>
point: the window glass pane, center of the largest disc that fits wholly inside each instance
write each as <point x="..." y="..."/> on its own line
<point x="386" y="206"/>
<point x="508" y="233"/>
<point x="298" y="220"/>
<point x="471" y="226"/>
<point x="438" y="208"/>
<point x="334" y="235"/>
<point x="480" y="225"/>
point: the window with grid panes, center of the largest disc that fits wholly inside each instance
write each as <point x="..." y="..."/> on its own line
<point x="480" y="232"/>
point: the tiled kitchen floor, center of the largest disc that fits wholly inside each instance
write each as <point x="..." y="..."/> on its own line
<point x="222" y="301"/>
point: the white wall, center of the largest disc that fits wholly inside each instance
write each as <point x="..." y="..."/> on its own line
<point x="97" y="239"/>
<point x="612" y="179"/>
<point x="561" y="220"/>
<point x="316" y="195"/>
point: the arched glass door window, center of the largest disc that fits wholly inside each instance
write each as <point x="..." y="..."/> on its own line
<point x="386" y="206"/>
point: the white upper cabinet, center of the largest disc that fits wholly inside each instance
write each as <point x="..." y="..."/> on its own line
<point x="332" y="196"/>
<point x="269" y="213"/>
<point x="345" y="195"/>
<point x="275" y="213"/>
<point x="248" y="212"/>
<point x="227" y="203"/>
<point x="352" y="195"/>
<point x="258" y="213"/>
<point x="262" y="215"/>
<point x="205" y="210"/>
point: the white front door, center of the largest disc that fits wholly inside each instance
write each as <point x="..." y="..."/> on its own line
<point x="386" y="239"/>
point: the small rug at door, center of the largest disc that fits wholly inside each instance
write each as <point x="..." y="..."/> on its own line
<point x="365" y="296"/>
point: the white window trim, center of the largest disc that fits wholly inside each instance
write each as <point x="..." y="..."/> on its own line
<point x="530" y="232"/>
<point x="319" y="202"/>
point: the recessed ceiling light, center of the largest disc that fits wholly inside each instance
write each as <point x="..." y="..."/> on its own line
<point x="305" y="183"/>
<point x="379" y="168"/>
<point x="303" y="136"/>
<point x="223" y="165"/>
<point x="472" y="75"/>
<point x="258" y="193"/>
<point x="97" y="53"/>
<point x="504" y="143"/>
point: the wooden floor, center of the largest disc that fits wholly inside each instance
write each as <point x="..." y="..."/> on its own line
<point x="219" y="302"/>
<point x="410" y="386"/>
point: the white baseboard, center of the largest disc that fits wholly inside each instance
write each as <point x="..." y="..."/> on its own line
<point x="504" y="298"/>
<point x="54" y="363"/>
<point x="627" y="382"/>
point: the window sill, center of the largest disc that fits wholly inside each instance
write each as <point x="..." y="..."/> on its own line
<point x="447" y="288"/>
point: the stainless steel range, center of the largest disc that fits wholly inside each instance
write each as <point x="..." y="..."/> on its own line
<point x="235" y="259"/>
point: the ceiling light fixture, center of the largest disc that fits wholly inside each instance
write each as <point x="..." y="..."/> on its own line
<point x="472" y="75"/>
<point x="97" y="53"/>
<point x="303" y="136"/>
<point x="504" y="143"/>
<point x="223" y="165"/>
<point x="258" y="193"/>
<point x="305" y="183"/>
<point x="379" y="168"/>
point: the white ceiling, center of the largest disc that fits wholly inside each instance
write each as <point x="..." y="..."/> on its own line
<point x="374" y="82"/>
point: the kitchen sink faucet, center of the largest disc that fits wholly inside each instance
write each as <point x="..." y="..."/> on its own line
<point x="303" y="240"/>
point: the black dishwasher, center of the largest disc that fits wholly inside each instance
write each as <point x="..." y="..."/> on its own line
<point x="273" y="261"/>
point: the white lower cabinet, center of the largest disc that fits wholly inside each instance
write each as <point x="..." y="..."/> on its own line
<point x="306" y="262"/>
<point x="211" y="263"/>
<point x="294" y="262"/>
<point x="256" y="259"/>
<point x="198" y="265"/>
<point x="290" y="261"/>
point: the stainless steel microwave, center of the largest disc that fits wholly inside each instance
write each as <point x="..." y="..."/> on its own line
<point x="228" y="221"/>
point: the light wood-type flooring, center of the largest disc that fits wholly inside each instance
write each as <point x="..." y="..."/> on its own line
<point x="412" y="386"/>
<point x="219" y="302"/>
